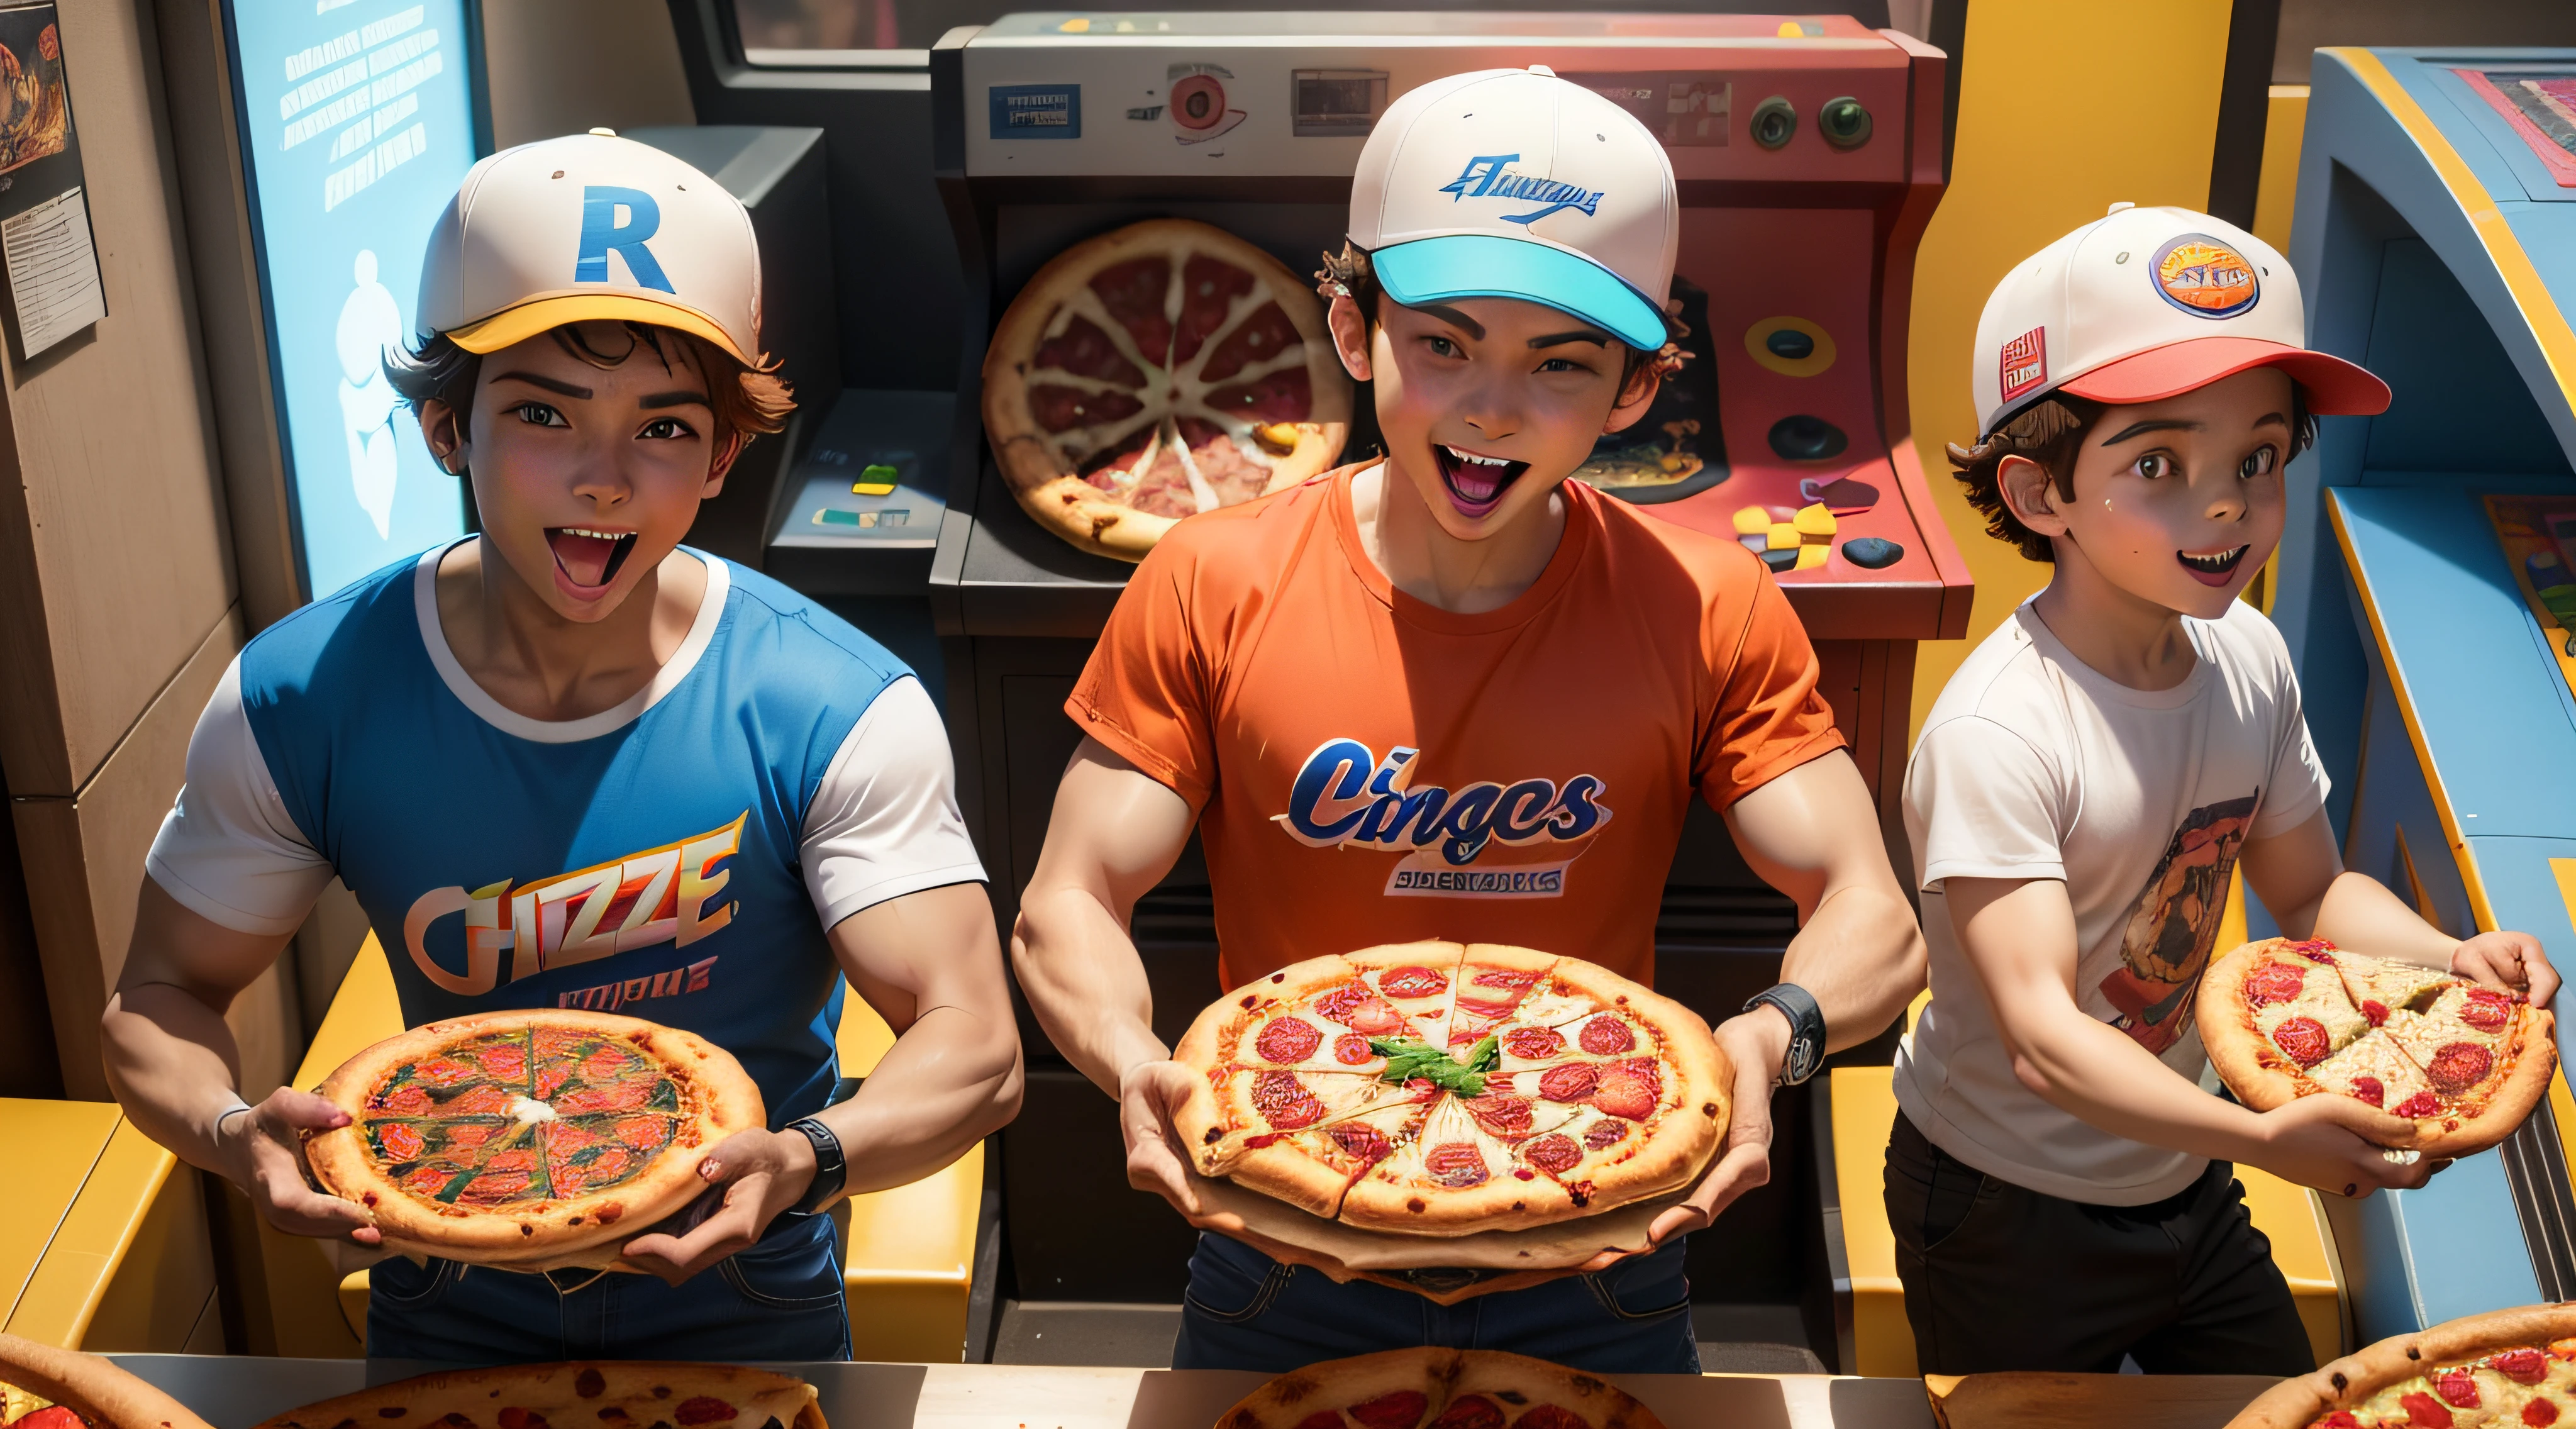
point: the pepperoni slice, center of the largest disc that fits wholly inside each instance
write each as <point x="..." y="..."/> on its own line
<point x="1549" y="1416"/>
<point x="2340" y="1419"/>
<point x="2417" y="1107"/>
<point x="1361" y="1140"/>
<point x="400" y="1142"/>
<point x="2315" y="950"/>
<point x="2540" y="1414"/>
<point x="1605" y="1133"/>
<point x="1606" y="1037"/>
<point x="2274" y="982"/>
<point x="2459" y="1066"/>
<point x="2303" y="1039"/>
<point x="704" y="1409"/>
<point x="1412" y="982"/>
<point x="1360" y="1010"/>
<point x="1288" y="1040"/>
<point x="2370" y="1090"/>
<point x="1285" y="1102"/>
<point x="1401" y="1409"/>
<point x="2457" y="1388"/>
<point x="52" y="1416"/>
<point x="1630" y="1089"/>
<point x="1533" y="1044"/>
<point x="2523" y="1366"/>
<point x="2423" y="1411"/>
<point x="514" y="1417"/>
<point x="1351" y="1049"/>
<point x="2375" y="1012"/>
<point x="1470" y="1411"/>
<point x="1457" y="1164"/>
<point x="2487" y="1009"/>
<point x="1503" y="1115"/>
<point x="1570" y="1083"/>
<point x="1553" y="1153"/>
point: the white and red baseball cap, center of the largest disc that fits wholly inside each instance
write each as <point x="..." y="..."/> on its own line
<point x="2149" y="303"/>
<point x="1508" y="183"/>
<point x="591" y="226"/>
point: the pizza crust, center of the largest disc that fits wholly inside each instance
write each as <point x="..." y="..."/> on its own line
<point x="90" y="1386"/>
<point x="1512" y="1385"/>
<point x="579" y="1394"/>
<point x="717" y="1099"/>
<point x="2300" y="1401"/>
<point x="1060" y="499"/>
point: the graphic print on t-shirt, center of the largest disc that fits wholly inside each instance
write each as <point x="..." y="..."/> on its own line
<point x="2174" y="922"/>
<point x="1463" y="843"/>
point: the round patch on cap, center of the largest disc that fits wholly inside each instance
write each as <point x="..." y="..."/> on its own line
<point x="2204" y="277"/>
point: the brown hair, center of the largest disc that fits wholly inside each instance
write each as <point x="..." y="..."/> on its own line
<point x="755" y="403"/>
<point x="1349" y="274"/>
<point x="2050" y="432"/>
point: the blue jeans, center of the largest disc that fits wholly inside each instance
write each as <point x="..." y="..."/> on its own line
<point x="1247" y="1311"/>
<point x="779" y="1300"/>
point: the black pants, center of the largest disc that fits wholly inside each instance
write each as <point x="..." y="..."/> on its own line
<point x="2000" y="1277"/>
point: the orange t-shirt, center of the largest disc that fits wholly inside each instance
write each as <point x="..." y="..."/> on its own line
<point x="1372" y="769"/>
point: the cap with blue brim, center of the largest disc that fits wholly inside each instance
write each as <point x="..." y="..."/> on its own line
<point x="1474" y="265"/>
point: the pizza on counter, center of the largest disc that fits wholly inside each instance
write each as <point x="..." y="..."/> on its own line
<point x="1433" y="1388"/>
<point x="514" y="1138"/>
<point x="582" y="1394"/>
<point x="2466" y="1063"/>
<point x="2514" y="1369"/>
<point x="1444" y="1089"/>
<point x="1154" y="372"/>
<point x="42" y="1387"/>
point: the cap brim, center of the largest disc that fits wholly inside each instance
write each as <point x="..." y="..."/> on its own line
<point x="525" y="321"/>
<point x="1479" y="265"/>
<point x="2333" y="387"/>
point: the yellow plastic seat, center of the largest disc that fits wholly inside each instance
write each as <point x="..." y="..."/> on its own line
<point x="103" y="1242"/>
<point x="908" y="1254"/>
<point x="1864" y="1111"/>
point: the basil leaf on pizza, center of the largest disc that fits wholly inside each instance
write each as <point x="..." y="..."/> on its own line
<point x="529" y="1138"/>
<point x="1155" y="372"/>
<point x="2283" y="1019"/>
<point x="1445" y="1089"/>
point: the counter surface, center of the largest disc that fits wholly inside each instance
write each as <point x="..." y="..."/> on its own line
<point x="237" y="1392"/>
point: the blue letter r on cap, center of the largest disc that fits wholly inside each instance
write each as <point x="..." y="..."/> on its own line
<point x="601" y="232"/>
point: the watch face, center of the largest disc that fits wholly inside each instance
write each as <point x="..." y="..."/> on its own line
<point x="1802" y="1060"/>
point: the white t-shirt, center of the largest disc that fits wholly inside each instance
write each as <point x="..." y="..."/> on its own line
<point x="2033" y="765"/>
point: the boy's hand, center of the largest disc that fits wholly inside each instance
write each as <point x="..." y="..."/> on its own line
<point x="2334" y="1144"/>
<point x="262" y="1151"/>
<point x="1756" y="1043"/>
<point x="2507" y="960"/>
<point x="762" y="1172"/>
<point x="1148" y="1096"/>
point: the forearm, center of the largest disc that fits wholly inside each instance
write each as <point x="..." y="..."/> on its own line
<point x="951" y="1080"/>
<point x="2096" y="1072"/>
<point x="173" y="1065"/>
<point x="1083" y="978"/>
<point x="2358" y="912"/>
<point x="1861" y="957"/>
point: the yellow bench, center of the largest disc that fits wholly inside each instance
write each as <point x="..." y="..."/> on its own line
<point x="103" y="1242"/>
<point x="907" y="1254"/>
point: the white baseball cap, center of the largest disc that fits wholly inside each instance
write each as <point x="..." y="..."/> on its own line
<point x="2149" y="303"/>
<point x="1507" y="183"/>
<point x="591" y="226"/>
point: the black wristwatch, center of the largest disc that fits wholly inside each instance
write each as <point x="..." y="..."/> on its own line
<point x="831" y="1171"/>
<point x="1806" y="1029"/>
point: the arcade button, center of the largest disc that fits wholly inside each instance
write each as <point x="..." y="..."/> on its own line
<point x="875" y="480"/>
<point x="1873" y="553"/>
<point x="1774" y="121"/>
<point x="1844" y="122"/>
<point x="1790" y="346"/>
<point x="1800" y="437"/>
<point x="1781" y="560"/>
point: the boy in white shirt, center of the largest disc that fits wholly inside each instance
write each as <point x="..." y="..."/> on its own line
<point x="2082" y="792"/>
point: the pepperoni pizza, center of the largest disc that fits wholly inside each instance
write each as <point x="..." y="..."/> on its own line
<point x="2466" y="1063"/>
<point x="1434" y="1388"/>
<point x="42" y="1387"/>
<point x="2504" y="1368"/>
<point x="1155" y="372"/>
<point x="603" y="1394"/>
<point x="1439" y="1089"/>
<point x="516" y="1137"/>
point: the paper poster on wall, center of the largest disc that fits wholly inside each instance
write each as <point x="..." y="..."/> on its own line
<point x="45" y="239"/>
<point x="357" y="126"/>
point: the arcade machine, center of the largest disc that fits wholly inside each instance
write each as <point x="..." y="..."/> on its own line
<point x="2425" y="583"/>
<point x="1808" y="152"/>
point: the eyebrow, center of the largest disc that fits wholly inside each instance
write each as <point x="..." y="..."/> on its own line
<point x="676" y="399"/>
<point x="2168" y="424"/>
<point x="1455" y="319"/>
<point x="1559" y="339"/>
<point x="561" y="389"/>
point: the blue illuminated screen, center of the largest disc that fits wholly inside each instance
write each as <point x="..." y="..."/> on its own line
<point x="357" y="126"/>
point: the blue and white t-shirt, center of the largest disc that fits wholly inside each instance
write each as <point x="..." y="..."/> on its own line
<point x="677" y="858"/>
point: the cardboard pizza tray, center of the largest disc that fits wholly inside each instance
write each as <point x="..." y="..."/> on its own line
<point x="2036" y="1400"/>
<point x="1510" y="1260"/>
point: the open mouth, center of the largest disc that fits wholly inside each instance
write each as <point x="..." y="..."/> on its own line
<point x="2214" y="569"/>
<point x="589" y="559"/>
<point x="1476" y="482"/>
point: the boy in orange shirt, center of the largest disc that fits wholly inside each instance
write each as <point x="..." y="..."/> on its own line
<point x="1449" y="695"/>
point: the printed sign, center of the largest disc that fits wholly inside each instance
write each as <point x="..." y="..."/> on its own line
<point x="1036" y="111"/>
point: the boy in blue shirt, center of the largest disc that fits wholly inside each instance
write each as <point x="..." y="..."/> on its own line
<point x="568" y="708"/>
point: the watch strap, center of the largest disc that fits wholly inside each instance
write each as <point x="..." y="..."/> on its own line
<point x="831" y="1169"/>
<point x="1806" y="1029"/>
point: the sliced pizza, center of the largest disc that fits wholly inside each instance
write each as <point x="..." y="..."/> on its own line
<point x="1493" y="981"/>
<point x="1459" y="1164"/>
<point x="1434" y="1388"/>
<point x="2378" y="986"/>
<point x="609" y="1394"/>
<point x="2461" y="1059"/>
<point x="42" y="1387"/>
<point x="2515" y="1369"/>
<point x="2375" y="1069"/>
